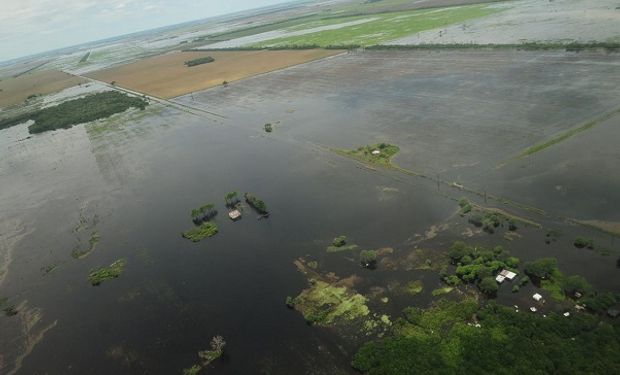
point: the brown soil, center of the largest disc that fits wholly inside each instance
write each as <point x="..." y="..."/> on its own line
<point x="16" y="90"/>
<point x="166" y="76"/>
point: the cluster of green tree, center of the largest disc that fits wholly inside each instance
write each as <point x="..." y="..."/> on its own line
<point x="204" y="213"/>
<point x="231" y="199"/>
<point x="268" y="128"/>
<point x="478" y="265"/>
<point x="199" y="61"/>
<point x="490" y="221"/>
<point x="258" y="204"/>
<point x="78" y="111"/>
<point x="463" y="338"/>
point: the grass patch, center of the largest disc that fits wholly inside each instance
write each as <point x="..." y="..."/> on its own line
<point x="65" y="115"/>
<point x="337" y="249"/>
<point x="112" y="271"/>
<point x="205" y="230"/>
<point x="442" y="291"/>
<point x="414" y="287"/>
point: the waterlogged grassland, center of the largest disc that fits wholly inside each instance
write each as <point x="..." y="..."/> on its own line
<point x="380" y="154"/>
<point x="205" y="230"/>
<point x="324" y="304"/>
<point x="380" y="27"/>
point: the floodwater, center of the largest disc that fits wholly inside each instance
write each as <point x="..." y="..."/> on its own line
<point x="135" y="177"/>
<point x="140" y="177"/>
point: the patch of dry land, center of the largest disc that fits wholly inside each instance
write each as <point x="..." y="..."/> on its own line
<point x="17" y="90"/>
<point x="167" y="76"/>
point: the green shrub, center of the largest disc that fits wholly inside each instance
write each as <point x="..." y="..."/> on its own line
<point x="581" y="242"/>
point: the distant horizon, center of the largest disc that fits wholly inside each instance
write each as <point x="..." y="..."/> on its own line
<point x="22" y="28"/>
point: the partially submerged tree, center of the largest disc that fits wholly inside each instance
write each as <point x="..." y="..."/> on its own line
<point x="368" y="258"/>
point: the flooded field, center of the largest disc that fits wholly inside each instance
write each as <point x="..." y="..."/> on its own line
<point x="76" y="200"/>
<point x="532" y="21"/>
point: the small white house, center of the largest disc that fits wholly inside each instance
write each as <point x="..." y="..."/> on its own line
<point x="500" y="279"/>
<point x="533" y="309"/>
<point x="537" y="297"/>
<point x="376" y="152"/>
<point x="234" y="215"/>
<point x="567" y="314"/>
<point x="508" y="274"/>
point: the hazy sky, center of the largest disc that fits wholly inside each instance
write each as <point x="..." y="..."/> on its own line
<point x="32" y="26"/>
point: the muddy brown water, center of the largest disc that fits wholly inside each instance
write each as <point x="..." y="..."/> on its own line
<point x="141" y="174"/>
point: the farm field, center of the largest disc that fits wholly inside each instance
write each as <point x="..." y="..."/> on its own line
<point x="361" y="30"/>
<point x="167" y="76"/>
<point x="17" y="90"/>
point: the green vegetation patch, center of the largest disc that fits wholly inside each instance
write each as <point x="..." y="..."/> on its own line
<point x="199" y="233"/>
<point x="377" y="28"/>
<point x="463" y="338"/>
<point x="112" y="271"/>
<point x="199" y="61"/>
<point x="325" y="304"/>
<point x="78" y="111"/>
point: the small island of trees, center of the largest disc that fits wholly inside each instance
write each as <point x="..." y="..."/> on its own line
<point x="256" y="203"/>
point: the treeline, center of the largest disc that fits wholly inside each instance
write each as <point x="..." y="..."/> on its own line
<point x="199" y="61"/>
<point x="534" y="46"/>
<point x="89" y="108"/>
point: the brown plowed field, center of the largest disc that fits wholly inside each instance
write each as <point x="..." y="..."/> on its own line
<point x="166" y="76"/>
<point x="16" y="90"/>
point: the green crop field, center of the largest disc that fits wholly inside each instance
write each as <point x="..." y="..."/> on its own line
<point x="379" y="28"/>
